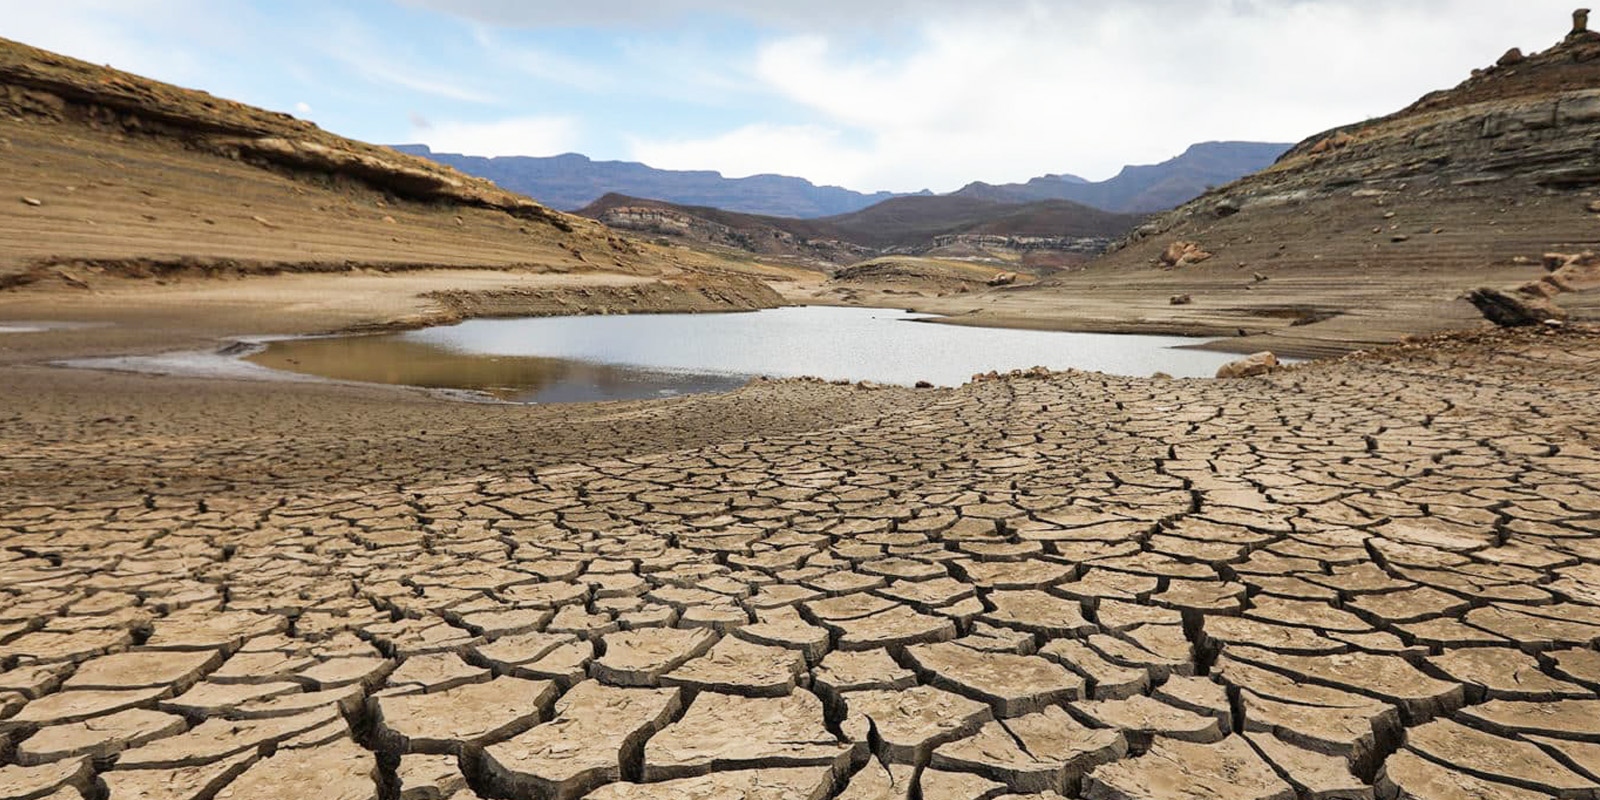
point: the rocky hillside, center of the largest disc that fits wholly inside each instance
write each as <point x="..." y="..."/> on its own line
<point x="1146" y="188"/>
<point x="1467" y="187"/>
<point x="107" y="172"/>
<point x="706" y="227"/>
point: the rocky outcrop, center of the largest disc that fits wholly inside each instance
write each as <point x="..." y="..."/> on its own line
<point x="1509" y="310"/>
<point x="1249" y="366"/>
<point x="1182" y="254"/>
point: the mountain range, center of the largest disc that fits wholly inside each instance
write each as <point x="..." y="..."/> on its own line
<point x="902" y="224"/>
<point x="1148" y="188"/>
<point x="571" y="182"/>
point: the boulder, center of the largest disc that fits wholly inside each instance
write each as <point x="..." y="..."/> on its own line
<point x="1254" y="364"/>
<point x="1514" y="311"/>
<point x="1512" y="58"/>
<point x="1180" y="253"/>
<point x="1003" y="279"/>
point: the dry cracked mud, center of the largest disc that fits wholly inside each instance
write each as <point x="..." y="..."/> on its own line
<point x="1377" y="577"/>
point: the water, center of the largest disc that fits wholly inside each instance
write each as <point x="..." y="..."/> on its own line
<point x="569" y="359"/>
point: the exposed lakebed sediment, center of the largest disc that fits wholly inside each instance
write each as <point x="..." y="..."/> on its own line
<point x="1378" y="571"/>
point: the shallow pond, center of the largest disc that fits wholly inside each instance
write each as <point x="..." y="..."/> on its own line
<point x="569" y="359"/>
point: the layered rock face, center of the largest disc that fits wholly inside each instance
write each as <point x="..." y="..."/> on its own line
<point x="1484" y="177"/>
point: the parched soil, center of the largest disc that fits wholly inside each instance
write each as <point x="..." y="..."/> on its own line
<point x="1379" y="571"/>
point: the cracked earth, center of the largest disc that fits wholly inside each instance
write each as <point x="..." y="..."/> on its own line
<point x="1378" y="577"/>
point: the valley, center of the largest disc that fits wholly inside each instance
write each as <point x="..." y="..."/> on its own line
<point x="1372" y="575"/>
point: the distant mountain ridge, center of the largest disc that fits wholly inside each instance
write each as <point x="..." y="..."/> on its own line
<point x="900" y="225"/>
<point x="1148" y="188"/>
<point x="571" y="182"/>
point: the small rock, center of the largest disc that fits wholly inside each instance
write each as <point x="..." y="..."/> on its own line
<point x="1555" y="261"/>
<point x="1594" y="207"/>
<point x="388" y="220"/>
<point x="1255" y="364"/>
<point x="1258" y="277"/>
<point x="32" y="201"/>
<point x="1512" y="58"/>
<point x="924" y="385"/>
<point x="1399" y="237"/>
<point x="1180" y="300"/>
<point x="1003" y="279"/>
<point x="262" y="221"/>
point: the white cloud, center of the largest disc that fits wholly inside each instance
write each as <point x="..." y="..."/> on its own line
<point x="1089" y="87"/>
<point x="523" y="136"/>
<point x="379" y="69"/>
<point x="113" y="32"/>
<point x="542" y="64"/>
<point x="302" y="108"/>
<point x="352" y="41"/>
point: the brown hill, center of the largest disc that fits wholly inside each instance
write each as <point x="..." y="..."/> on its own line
<point x="1376" y="229"/>
<point x="912" y="221"/>
<point x="109" y="173"/>
<point x="718" y="228"/>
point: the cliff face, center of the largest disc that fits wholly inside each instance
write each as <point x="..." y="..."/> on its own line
<point x="1502" y="167"/>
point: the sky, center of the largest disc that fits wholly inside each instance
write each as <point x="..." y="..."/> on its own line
<point x="896" y="95"/>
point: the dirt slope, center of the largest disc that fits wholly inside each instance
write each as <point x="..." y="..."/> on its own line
<point x="109" y="174"/>
<point x="1378" y="227"/>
